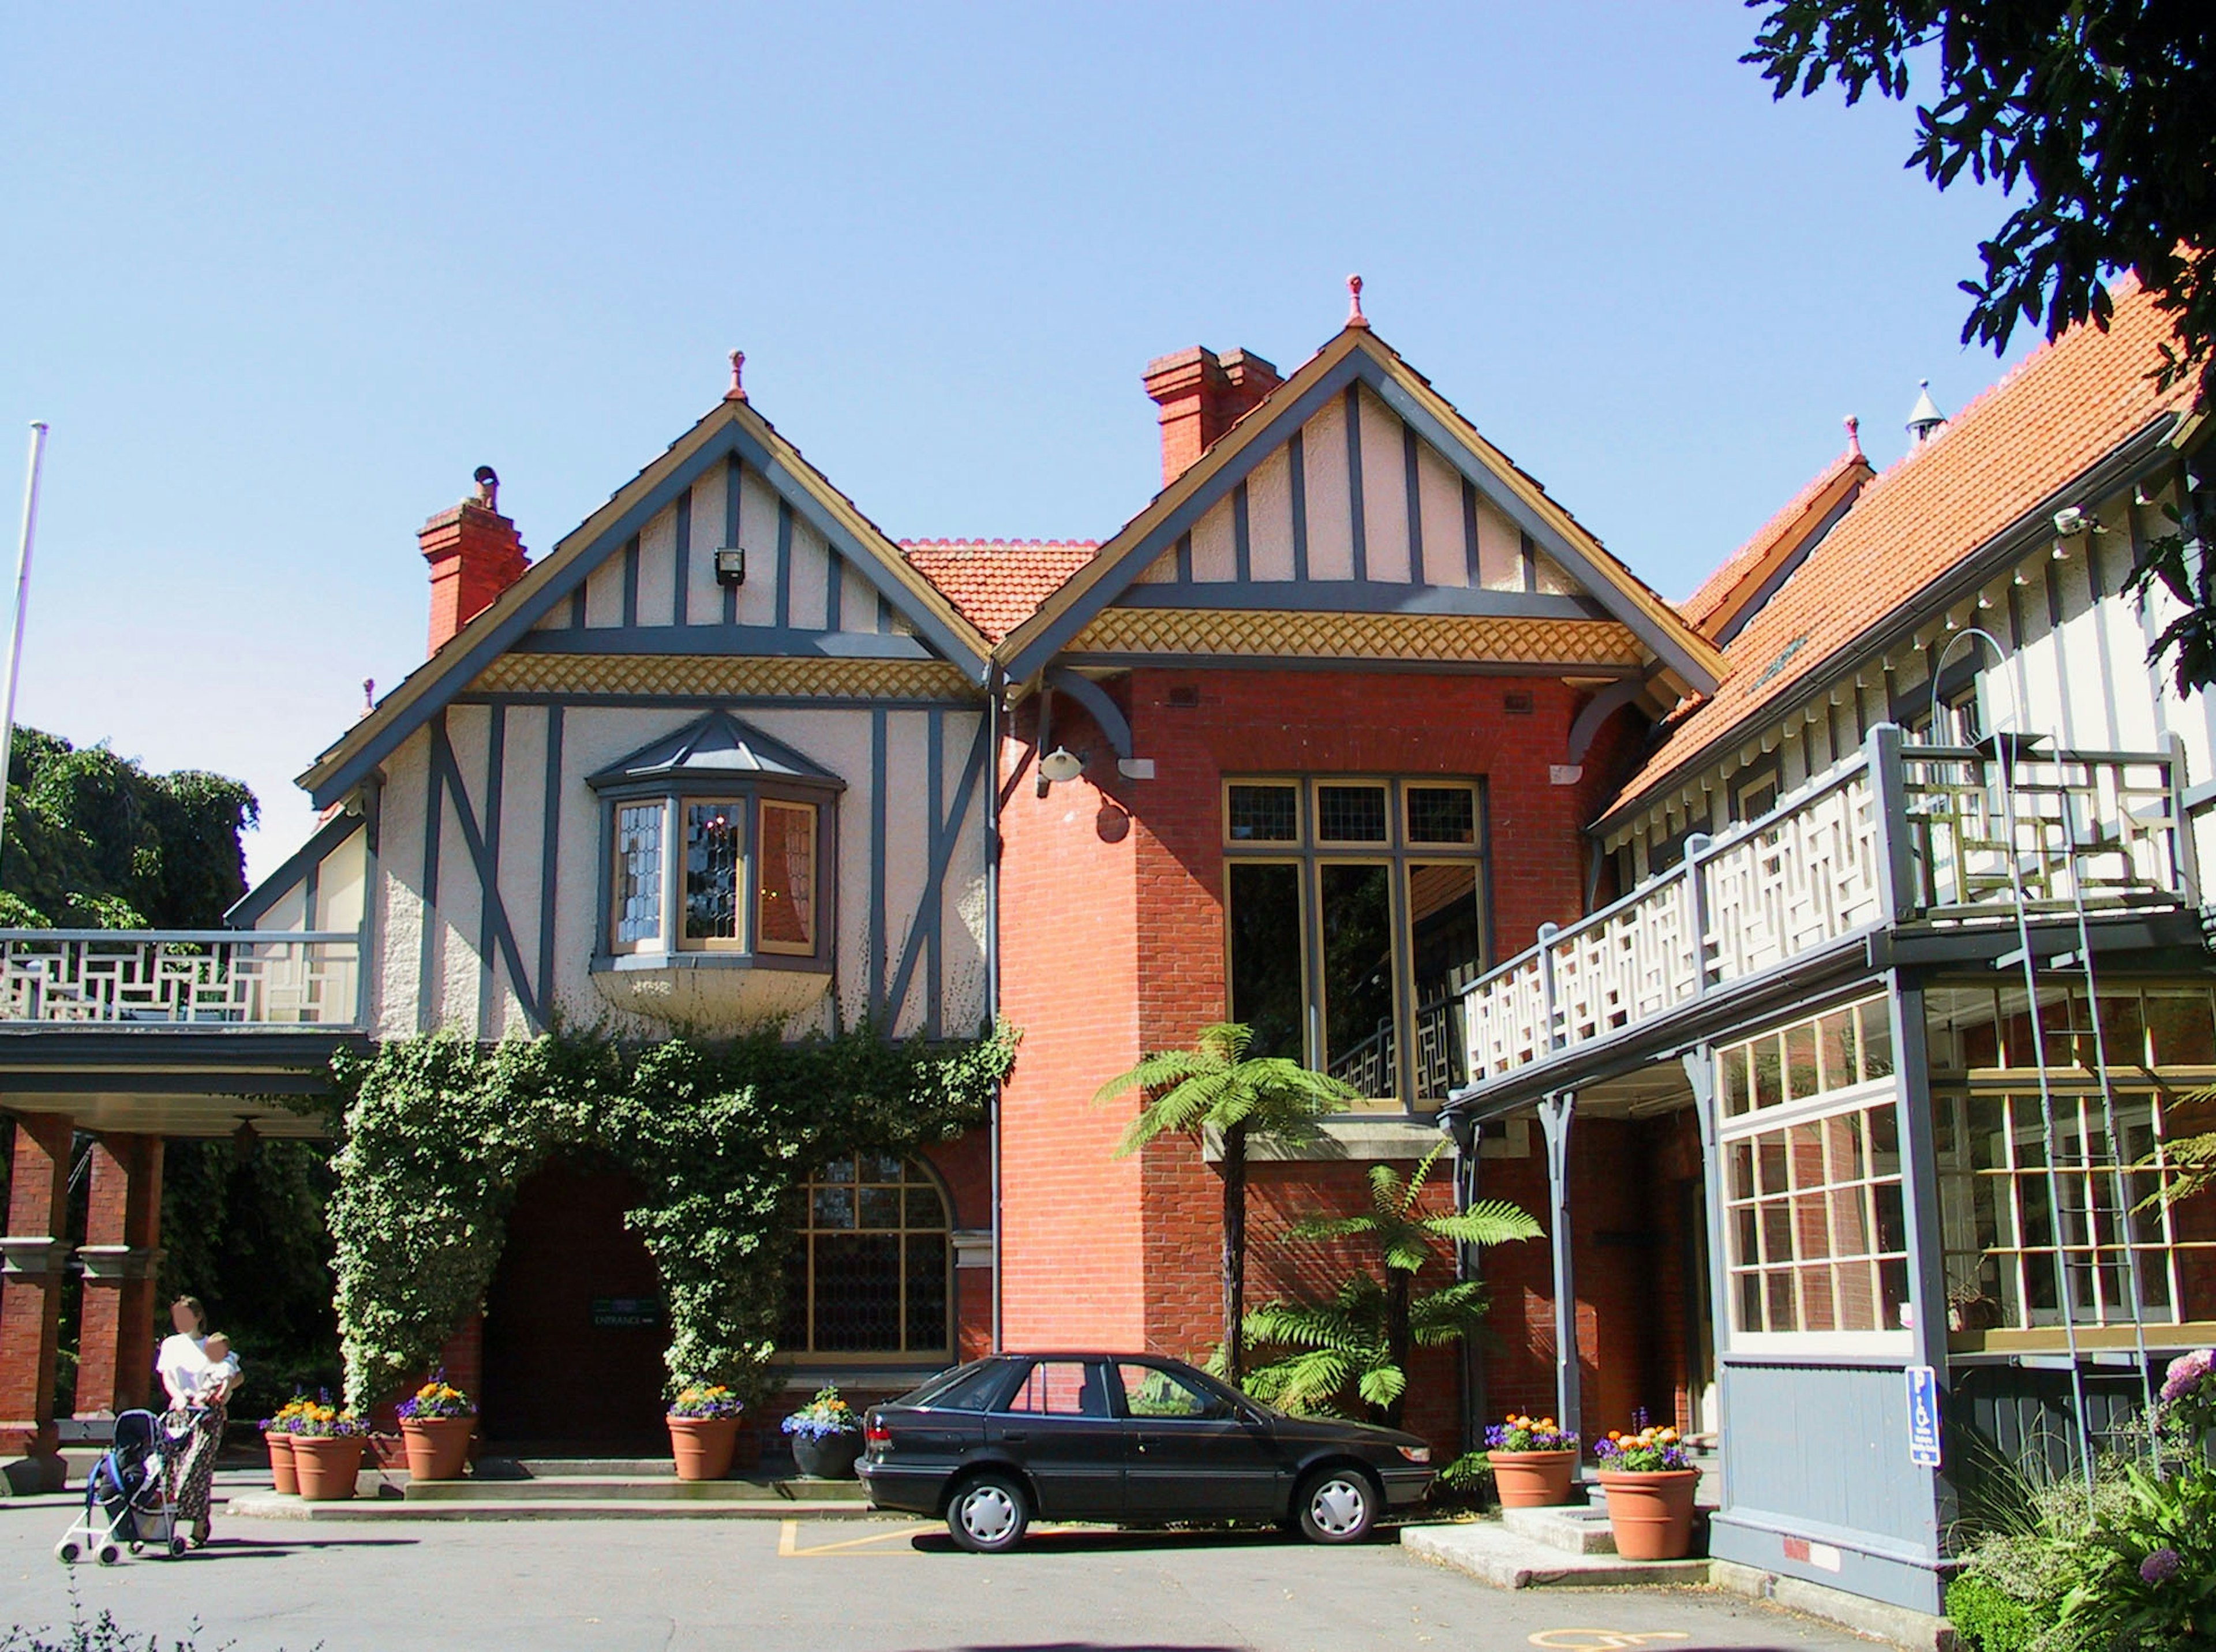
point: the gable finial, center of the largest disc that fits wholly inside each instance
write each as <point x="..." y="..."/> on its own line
<point x="1854" y="436"/>
<point x="738" y="391"/>
<point x="1354" y="316"/>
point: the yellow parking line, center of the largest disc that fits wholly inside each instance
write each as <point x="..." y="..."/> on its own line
<point x="788" y="1541"/>
<point x="1604" y="1639"/>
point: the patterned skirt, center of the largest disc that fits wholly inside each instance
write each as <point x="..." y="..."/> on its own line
<point x="192" y="1472"/>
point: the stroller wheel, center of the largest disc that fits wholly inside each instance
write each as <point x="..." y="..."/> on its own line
<point x="136" y="1547"/>
<point x="66" y="1553"/>
<point x="176" y="1548"/>
<point x="108" y="1554"/>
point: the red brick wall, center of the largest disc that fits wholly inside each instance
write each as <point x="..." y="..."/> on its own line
<point x="31" y="1305"/>
<point x="1073" y="1268"/>
<point x="1112" y="943"/>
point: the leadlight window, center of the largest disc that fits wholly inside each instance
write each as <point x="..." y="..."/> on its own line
<point x="745" y="880"/>
<point x="1354" y="917"/>
<point x="1816" y="1232"/>
<point x="637" y="894"/>
<point x="871" y="1272"/>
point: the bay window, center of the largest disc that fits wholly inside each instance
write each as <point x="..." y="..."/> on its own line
<point x="1354" y="916"/>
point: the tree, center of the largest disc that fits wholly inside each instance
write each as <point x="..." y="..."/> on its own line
<point x="1249" y="1101"/>
<point x="2102" y="113"/>
<point x="1365" y="1338"/>
<point x="93" y="841"/>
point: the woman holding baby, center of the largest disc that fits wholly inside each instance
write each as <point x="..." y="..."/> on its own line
<point x="200" y="1374"/>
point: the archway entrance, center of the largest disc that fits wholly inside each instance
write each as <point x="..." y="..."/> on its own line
<point x="574" y="1327"/>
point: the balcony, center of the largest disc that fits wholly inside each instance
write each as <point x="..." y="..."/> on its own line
<point x="294" y="981"/>
<point x="1898" y="842"/>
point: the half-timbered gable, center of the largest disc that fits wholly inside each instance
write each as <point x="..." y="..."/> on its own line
<point x="716" y="760"/>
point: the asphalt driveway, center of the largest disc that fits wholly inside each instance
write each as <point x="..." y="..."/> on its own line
<point x="843" y="1586"/>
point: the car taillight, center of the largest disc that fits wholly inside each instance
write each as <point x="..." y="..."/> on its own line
<point x="876" y="1434"/>
<point x="1417" y="1453"/>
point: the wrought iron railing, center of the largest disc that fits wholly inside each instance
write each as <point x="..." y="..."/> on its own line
<point x="203" y="977"/>
<point x="1896" y="833"/>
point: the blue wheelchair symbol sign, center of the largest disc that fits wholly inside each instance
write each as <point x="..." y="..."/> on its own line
<point x="1923" y="1416"/>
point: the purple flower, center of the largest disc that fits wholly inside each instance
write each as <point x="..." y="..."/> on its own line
<point x="2187" y="1372"/>
<point x="2160" y="1566"/>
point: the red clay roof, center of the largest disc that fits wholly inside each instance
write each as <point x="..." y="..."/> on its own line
<point x="996" y="583"/>
<point x="2053" y="417"/>
<point x="1717" y="590"/>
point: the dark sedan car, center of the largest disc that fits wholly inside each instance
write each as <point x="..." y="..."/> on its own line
<point x="1124" y="1437"/>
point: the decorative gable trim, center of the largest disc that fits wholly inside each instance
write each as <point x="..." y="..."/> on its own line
<point x="1356" y="357"/>
<point x="732" y="431"/>
<point x="716" y="748"/>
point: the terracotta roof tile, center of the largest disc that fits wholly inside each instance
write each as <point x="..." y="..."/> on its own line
<point x="997" y="583"/>
<point x="2051" y="418"/>
<point x="1717" y="589"/>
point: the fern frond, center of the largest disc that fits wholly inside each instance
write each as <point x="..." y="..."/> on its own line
<point x="1380" y="1385"/>
<point x="1492" y="1221"/>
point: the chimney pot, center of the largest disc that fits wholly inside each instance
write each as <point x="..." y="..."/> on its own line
<point x="475" y="554"/>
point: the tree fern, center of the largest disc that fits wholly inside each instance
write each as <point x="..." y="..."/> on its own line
<point x="1248" y="1100"/>
<point x="1361" y="1338"/>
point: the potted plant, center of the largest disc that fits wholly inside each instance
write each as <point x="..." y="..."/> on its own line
<point x="277" y="1435"/>
<point x="827" y="1436"/>
<point x="1650" y="1492"/>
<point x="327" y="1444"/>
<point x="1533" y="1461"/>
<point x="703" y="1430"/>
<point x="436" y="1422"/>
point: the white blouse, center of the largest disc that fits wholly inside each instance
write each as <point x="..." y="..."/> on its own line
<point x="181" y="1365"/>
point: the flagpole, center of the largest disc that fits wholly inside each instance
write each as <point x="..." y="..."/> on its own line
<point x="23" y="603"/>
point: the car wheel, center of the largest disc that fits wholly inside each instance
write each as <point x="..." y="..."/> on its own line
<point x="987" y="1515"/>
<point x="1337" y="1506"/>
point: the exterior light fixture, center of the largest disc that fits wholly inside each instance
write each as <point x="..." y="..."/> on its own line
<point x="1062" y="763"/>
<point x="731" y="565"/>
<point x="243" y="1140"/>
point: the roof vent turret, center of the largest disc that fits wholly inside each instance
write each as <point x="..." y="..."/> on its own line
<point x="1925" y="418"/>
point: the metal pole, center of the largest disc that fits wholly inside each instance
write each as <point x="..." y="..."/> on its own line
<point x="23" y="602"/>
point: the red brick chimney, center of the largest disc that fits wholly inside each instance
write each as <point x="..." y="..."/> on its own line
<point x="1202" y="395"/>
<point x="475" y="554"/>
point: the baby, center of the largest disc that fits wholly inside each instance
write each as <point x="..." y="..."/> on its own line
<point x="222" y="1369"/>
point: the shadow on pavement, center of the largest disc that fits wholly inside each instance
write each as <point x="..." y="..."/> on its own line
<point x="1093" y="1540"/>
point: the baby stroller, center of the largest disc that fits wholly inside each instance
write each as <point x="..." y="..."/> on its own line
<point x="127" y="1497"/>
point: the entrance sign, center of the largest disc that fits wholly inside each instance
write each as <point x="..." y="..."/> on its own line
<point x="1923" y="1416"/>
<point x="625" y="1312"/>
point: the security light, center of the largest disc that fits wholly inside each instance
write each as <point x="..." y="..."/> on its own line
<point x="731" y="565"/>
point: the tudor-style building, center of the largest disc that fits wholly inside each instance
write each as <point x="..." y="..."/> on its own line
<point x="1321" y="740"/>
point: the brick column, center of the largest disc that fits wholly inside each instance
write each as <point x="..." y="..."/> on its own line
<point x="115" y="1323"/>
<point x="31" y="1260"/>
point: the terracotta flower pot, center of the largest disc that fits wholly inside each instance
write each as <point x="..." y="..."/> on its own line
<point x="702" y="1446"/>
<point x="326" y="1466"/>
<point x="1533" y="1479"/>
<point x="438" y="1447"/>
<point x="281" y="1477"/>
<point x="1652" y="1514"/>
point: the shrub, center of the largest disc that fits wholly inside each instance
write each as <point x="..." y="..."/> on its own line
<point x="1988" y="1618"/>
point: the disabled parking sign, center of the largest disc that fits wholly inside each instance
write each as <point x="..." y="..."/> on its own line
<point x="1923" y="1416"/>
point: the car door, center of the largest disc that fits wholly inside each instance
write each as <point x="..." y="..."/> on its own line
<point x="1194" y="1453"/>
<point x="1059" y="1426"/>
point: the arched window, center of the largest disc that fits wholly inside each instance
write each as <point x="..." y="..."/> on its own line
<point x="870" y="1275"/>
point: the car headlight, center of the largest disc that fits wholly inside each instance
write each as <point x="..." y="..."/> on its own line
<point x="1417" y="1453"/>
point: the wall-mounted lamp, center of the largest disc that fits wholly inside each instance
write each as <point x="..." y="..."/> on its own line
<point x="1062" y="763"/>
<point x="731" y="565"/>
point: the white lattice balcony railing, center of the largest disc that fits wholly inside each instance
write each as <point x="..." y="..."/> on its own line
<point x="267" y="978"/>
<point x="1895" y="834"/>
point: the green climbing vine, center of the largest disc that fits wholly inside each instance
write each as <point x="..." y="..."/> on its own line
<point x="438" y="1132"/>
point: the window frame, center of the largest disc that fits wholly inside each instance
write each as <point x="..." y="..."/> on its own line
<point x="675" y="796"/>
<point x="1398" y="854"/>
<point x="806" y="1231"/>
<point x="759" y="928"/>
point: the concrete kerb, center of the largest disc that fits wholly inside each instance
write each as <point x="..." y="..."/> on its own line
<point x="1918" y="1630"/>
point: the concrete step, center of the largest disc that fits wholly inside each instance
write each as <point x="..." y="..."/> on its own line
<point x="1574" y="1528"/>
<point x="610" y="1488"/>
<point x="1488" y="1551"/>
<point x="269" y="1506"/>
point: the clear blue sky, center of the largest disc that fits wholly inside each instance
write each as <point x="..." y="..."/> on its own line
<point x="280" y="277"/>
